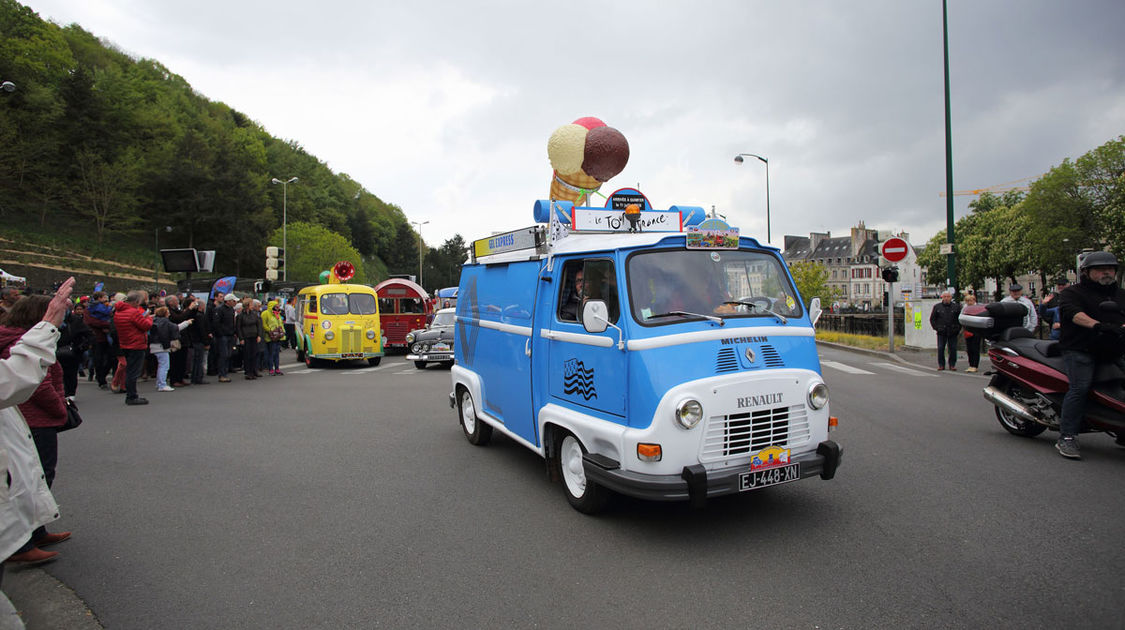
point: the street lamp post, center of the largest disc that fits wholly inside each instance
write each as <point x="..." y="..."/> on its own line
<point x="738" y="160"/>
<point x="156" y="268"/>
<point x="419" y="248"/>
<point x="284" y="222"/>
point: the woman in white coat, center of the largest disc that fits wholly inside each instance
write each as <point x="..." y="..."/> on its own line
<point x="26" y="502"/>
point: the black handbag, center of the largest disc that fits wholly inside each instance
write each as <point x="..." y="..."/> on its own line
<point x="73" y="418"/>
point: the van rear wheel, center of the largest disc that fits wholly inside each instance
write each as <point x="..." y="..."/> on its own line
<point x="374" y="360"/>
<point x="582" y="494"/>
<point x="477" y="431"/>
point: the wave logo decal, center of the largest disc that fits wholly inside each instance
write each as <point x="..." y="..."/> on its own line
<point x="578" y="380"/>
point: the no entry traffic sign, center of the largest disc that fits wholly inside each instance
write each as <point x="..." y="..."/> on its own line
<point x="894" y="249"/>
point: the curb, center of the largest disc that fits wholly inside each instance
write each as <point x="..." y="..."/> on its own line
<point x="42" y="602"/>
<point x="874" y="353"/>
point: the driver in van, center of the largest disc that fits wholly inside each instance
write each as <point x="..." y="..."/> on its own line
<point x="1092" y="332"/>
<point x="570" y="308"/>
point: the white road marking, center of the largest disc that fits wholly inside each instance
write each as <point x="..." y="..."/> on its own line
<point x="905" y="370"/>
<point x="843" y="367"/>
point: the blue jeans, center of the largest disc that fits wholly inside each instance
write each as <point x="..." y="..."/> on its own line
<point x="273" y="355"/>
<point x="943" y="341"/>
<point x="1080" y="368"/>
<point x="162" y="361"/>
<point x="222" y="361"/>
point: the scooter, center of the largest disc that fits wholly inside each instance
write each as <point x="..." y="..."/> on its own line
<point x="1029" y="379"/>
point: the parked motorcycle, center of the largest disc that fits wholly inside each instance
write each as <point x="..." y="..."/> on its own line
<point x="1029" y="379"/>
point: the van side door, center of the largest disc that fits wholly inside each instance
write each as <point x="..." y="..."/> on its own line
<point x="582" y="369"/>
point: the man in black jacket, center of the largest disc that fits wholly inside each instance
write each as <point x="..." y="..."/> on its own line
<point x="1091" y="334"/>
<point x="943" y="319"/>
<point x="223" y="331"/>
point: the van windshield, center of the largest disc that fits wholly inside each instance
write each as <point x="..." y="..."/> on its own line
<point x="665" y="285"/>
<point x="345" y="303"/>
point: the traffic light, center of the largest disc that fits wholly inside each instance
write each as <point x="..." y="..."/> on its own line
<point x="275" y="259"/>
<point x="890" y="274"/>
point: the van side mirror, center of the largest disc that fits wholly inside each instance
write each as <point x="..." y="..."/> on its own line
<point x="595" y="316"/>
<point x="814" y="310"/>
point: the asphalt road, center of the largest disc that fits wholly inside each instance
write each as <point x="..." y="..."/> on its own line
<point x="348" y="498"/>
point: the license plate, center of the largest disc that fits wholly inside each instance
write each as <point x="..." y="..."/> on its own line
<point x="768" y="477"/>
<point x="352" y="355"/>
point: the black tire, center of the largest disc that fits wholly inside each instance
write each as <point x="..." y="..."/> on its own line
<point x="421" y="365"/>
<point x="312" y="363"/>
<point x="300" y="355"/>
<point x="476" y="430"/>
<point x="582" y="494"/>
<point x="1012" y="423"/>
<point x="374" y="361"/>
<point x="447" y="365"/>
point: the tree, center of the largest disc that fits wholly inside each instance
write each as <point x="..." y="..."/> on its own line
<point x="313" y="249"/>
<point x="811" y="279"/>
<point x="443" y="265"/>
<point x="108" y="191"/>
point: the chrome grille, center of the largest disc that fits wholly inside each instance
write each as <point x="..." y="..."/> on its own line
<point x="741" y="434"/>
<point x="727" y="361"/>
<point x="771" y="357"/>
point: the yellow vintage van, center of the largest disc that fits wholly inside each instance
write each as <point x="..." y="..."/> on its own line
<point x="338" y="322"/>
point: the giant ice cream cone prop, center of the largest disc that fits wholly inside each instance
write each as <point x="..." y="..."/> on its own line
<point x="573" y="187"/>
<point x="585" y="154"/>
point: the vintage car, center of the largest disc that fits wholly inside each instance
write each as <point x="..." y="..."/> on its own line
<point x="434" y="343"/>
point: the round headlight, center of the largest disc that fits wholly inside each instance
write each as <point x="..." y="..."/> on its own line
<point x="689" y="413"/>
<point x="818" y="395"/>
<point x="329" y="335"/>
<point x="370" y="334"/>
<point x="409" y="337"/>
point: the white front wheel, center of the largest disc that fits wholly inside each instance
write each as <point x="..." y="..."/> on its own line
<point x="584" y="495"/>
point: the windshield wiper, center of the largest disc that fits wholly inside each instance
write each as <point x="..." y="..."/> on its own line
<point x="710" y="318"/>
<point x="781" y="318"/>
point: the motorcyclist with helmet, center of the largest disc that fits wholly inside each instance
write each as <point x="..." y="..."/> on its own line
<point x="1092" y="333"/>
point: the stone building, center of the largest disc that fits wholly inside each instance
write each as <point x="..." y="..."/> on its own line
<point x="852" y="262"/>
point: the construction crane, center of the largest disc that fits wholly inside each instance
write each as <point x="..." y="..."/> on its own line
<point x="998" y="188"/>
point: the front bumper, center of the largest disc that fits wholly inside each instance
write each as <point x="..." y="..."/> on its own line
<point x="431" y="356"/>
<point x="696" y="483"/>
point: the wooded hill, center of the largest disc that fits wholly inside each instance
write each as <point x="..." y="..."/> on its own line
<point x="108" y="151"/>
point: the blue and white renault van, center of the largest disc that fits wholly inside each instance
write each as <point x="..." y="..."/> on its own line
<point x="657" y="355"/>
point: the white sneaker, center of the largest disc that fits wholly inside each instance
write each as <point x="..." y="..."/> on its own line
<point x="166" y="388"/>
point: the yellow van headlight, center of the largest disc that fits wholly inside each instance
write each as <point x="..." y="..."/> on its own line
<point x="329" y="335"/>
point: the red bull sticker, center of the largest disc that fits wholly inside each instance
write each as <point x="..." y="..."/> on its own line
<point x="769" y="457"/>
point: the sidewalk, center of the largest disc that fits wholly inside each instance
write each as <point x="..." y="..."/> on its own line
<point x="923" y="358"/>
<point x="35" y="600"/>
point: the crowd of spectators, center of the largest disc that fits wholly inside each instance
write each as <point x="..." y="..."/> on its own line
<point x="121" y="341"/>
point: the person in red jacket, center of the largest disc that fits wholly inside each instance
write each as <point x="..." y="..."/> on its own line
<point x="132" y="326"/>
<point x="44" y="412"/>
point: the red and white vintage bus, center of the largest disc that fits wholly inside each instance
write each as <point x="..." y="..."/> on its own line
<point x="403" y="306"/>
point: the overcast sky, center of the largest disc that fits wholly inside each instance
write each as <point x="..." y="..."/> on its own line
<point x="445" y="107"/>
